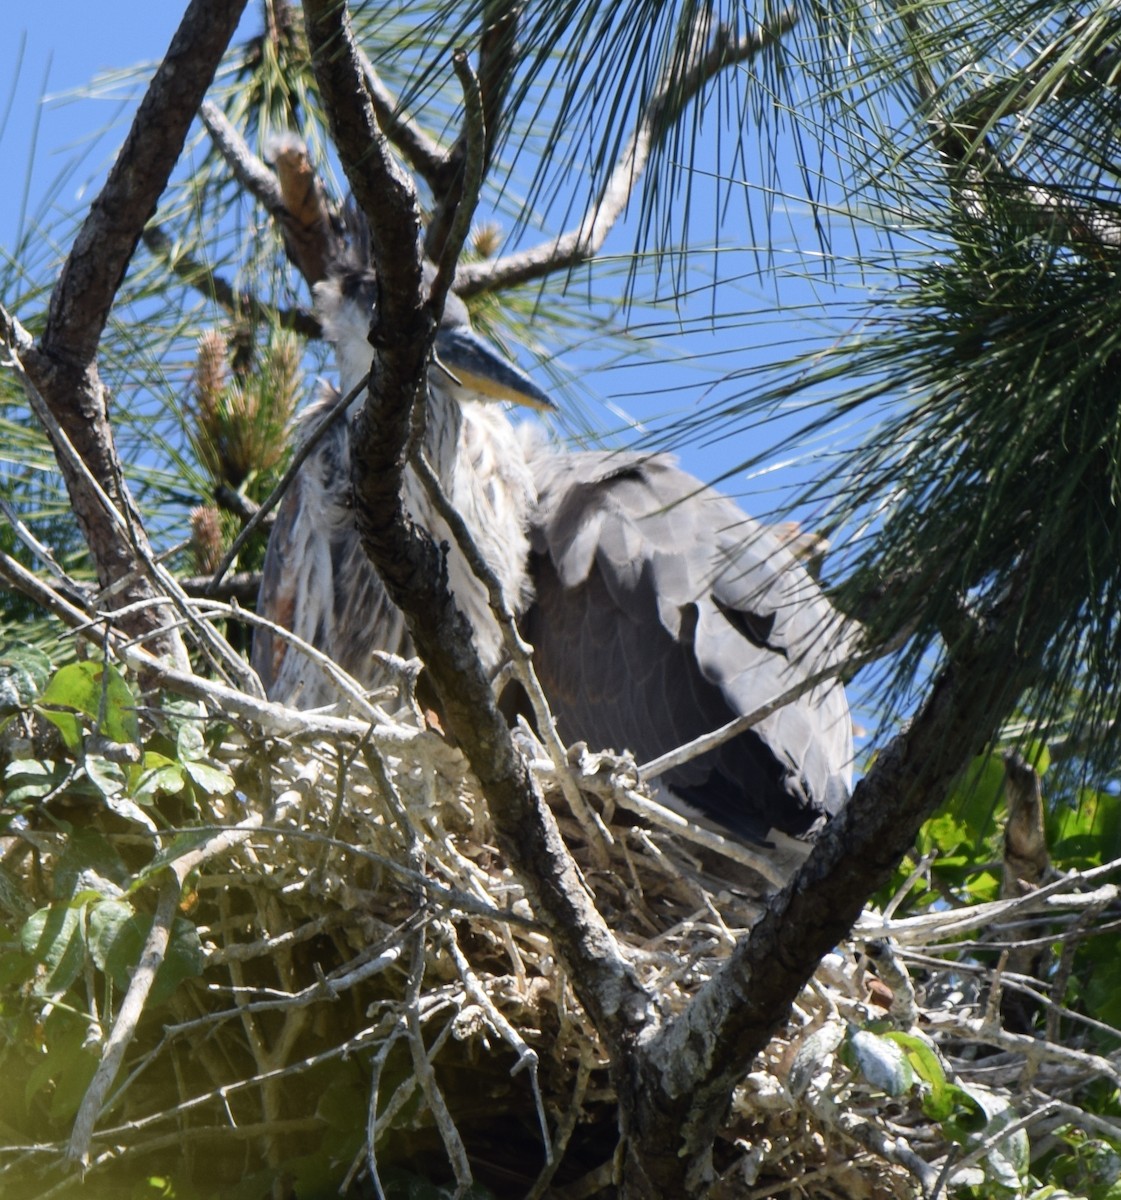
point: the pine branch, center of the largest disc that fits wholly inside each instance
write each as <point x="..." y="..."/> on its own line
<point x="211" y="285"/>
<point x="296" y="200"/>
<point x="977" y="172"/>
<point x="412" y="566"/>
<point x="496" y="68"/>
<point x="422" y="153"/>
<point x="674" y="92"/>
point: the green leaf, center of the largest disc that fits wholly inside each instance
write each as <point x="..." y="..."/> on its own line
<point x="117" y="935"/>
<point x="189" y="742"/>
<point x="342" y="1103"/>
<point x="938" y="1103"/>
<point x="72" y="1081"/>
<point x="214" y="780"/>
<point x="1007" y="1162"/>
<point x="182" y="843"/>
<point x="24" y="671"/>
<point x="158" y="775"/>
<point x="107" y="776"/>
<point x="978" y="796"/>
<point x="1102" y="996"/>
<point x="88" y="855"/>
<point x="1087" y="832"/>
<point x="67" y="1066"/>
<point x="67" y="725"/>
<point x="110" y="940"/>
<point x="15" y="970"/>
<point x="55" y="937"/>
<point x="882" y="1062"/>
<point x="97" y="690"/>
<point x="28" y="780"/>
<point x="944" y="833"/>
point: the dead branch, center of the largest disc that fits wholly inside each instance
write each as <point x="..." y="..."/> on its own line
<point x="242" y="586"/>
<point x="676" y="89"/>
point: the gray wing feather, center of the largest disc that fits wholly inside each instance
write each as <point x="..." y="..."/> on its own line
<point x="318" y="582"/>
<point x="663" y="611"/>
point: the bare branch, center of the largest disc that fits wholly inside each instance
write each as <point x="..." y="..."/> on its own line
<point x="128" y="1017"/>
<point x="214" y="287"/>
<point x="248" y="169"/>
<point x="521" y="655"/>
<point x="381" y="186"/>
<point x="101" y="252"/>
<point x="672" y="94"/>
<point x="242" y="587"/>
<point x="411" y="565"/>
<point x="467" y="193"/>
<point x="424" y="154"/>
<point x="497" y="62"/>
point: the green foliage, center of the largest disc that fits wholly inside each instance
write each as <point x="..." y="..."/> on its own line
<point x="1085" y="1166"/>
<point x="66" y="964"/>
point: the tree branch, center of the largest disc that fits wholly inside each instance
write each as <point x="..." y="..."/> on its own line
<point x="97" y="262"/>
<point x="63" y="367"/>
<point x="296" y="200"/>
<point x="128" y="1016"/>
<point x="975" y="168"/>
<point x="496" y="66"/>
<point x="673" y="93"/>
<point x="413" y="567"/>
<point x="220" y="291"/>
<point x="686" y="1078"/>
<point x="424" y="154"/>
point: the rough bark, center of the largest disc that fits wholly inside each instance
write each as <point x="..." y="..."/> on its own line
<point x="413" y="567"/>
<point x="63" y="365"/>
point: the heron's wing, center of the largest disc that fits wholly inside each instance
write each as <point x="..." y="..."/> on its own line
<point x="662" y="611"/>
<point x="278" y="596"/>
<point x="318" y="582"/>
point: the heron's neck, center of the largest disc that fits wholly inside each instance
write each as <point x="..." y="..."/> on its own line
<point x="441" y="433"/>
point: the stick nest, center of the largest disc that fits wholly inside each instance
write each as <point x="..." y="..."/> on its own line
<point x="374" y="1000"/>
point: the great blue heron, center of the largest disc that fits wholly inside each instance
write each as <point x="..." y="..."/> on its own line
<point x="658" y="610"/>
<point x="317" y="580"/>
<point x="661" y="612"/>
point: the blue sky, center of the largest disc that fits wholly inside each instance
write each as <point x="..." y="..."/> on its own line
<point x="53" y="48"/>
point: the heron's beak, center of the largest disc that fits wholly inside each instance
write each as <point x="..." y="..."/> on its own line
<point x="469" y="362"/>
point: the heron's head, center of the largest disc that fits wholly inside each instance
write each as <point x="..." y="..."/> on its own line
<point x="465" y="366"/>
